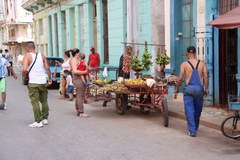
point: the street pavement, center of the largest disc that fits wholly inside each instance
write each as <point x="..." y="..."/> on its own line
<point x="104" y="136"/>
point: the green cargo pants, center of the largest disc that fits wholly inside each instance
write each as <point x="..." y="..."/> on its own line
<point x="39" y="92"/>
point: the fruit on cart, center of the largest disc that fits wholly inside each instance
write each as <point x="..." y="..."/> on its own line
<point x="133" y="81"/>
<point x="107" y="81"/>
<point x="117" y="88"/>
<point x="102" y="82"/>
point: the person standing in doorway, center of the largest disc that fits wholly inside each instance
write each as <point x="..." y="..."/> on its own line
<point x="195" y="72"/>
<point x="125" y="63"/>
<point x="3" y="64"/>
<point x="9" y="58"/>
<point x="94" y="62"/>
<point x="94" y="58"/>
<point x="37" y="87"/>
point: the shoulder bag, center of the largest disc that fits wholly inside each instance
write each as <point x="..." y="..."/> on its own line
<point x="26" y="78"/>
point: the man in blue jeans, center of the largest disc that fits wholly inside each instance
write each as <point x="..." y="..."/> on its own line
<point x="195" y="72"/>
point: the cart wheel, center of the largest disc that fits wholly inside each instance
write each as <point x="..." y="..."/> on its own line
<point x="142" y="109"/>
<point x="230" y="127"/>
<point x="164" y="110"/>
<point x="121" y="103"/>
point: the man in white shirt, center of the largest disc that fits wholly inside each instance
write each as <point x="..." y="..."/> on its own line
<point x="37" y="86"/>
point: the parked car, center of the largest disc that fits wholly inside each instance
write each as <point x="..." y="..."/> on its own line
<point x="54" y="68"/>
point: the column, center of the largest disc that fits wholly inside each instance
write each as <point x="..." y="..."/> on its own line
<point x="69" y="29"/>
<point x="49" y="29"/>
<point x="61" y="38"/>
<point x="77" y="26"/>
<point x="54" y="36"/>
<point x="238" y="52"/>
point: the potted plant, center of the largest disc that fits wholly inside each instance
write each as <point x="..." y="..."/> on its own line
<point x="162" y="59"/>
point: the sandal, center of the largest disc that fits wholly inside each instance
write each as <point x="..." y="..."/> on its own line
<point x="83" y="115"/>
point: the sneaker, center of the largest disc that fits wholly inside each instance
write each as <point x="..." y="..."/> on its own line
<point x="36" y="125"/>
<point x="192" y="134"/>
<point x="45" y="122"/>
<point x="5" y="106"/>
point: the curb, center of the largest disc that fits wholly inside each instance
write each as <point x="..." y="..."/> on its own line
<point x="202" y="122"/>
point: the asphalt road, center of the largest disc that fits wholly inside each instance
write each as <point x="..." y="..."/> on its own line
<point x="104" y="136"/>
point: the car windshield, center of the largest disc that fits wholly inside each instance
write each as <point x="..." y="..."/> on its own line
<point x="52" y="61"/>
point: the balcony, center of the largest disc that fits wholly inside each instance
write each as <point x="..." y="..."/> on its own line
<point x="35" y="5"/>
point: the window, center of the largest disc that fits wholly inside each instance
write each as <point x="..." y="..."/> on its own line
<point x="40" y="27"/>
<point x="12" y="33"/>
<point x="226" y="5"/>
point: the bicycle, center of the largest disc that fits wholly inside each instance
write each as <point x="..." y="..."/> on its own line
<point x="230" y="127"/>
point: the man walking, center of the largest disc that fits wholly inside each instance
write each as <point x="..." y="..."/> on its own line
<point x="3" y="64"/>
<point x="195" y="71"/>
<point x="37" y="87"/>
<point x="9" y="58"/>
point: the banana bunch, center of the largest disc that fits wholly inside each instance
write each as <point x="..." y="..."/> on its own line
<point x="146" y="60"/>
<point x="162" y="59"/>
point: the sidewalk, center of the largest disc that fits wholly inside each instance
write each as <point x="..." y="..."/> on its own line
<point x="211" y="117"/>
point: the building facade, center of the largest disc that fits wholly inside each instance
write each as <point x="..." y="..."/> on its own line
<point x="15" y="26"/>
<point x="187" y="24"/>
<point x="108" y="25"/>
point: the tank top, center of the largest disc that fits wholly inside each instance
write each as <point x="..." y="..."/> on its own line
<point x="94" y="60"/>
<point x="37" y="74"/>
<point x="70" y="80"/>
<point x="66" y="65"/>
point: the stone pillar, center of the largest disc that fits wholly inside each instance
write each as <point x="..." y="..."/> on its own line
<point x="61" y="35"/>
<point x="54" y="36"/>
<point x="77" y="26"/>
<point x="69" y="29"/>
<point x="238" y="55"/>
<point x="49" y="27"/>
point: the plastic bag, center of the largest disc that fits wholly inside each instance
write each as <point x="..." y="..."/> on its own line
<point x="105" y="72"/>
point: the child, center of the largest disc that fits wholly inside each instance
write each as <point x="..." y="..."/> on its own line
<point x="69" y="84"/>
<point x="82" y="67"/>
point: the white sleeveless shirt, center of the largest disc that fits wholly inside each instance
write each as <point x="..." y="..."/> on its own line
<point x="37" y="74"/>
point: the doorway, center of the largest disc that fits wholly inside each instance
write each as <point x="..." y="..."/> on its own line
<point x="227" y="64"/>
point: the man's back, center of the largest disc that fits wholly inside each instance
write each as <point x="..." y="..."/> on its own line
<point x="188" y="69"/>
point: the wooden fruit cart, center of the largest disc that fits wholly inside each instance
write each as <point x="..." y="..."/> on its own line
<point x="146" y="98"/>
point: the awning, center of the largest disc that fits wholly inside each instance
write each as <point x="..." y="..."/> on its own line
<point x="228" y="20"/>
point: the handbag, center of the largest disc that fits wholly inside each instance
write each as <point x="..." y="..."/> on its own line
<point x="26" y="78"/>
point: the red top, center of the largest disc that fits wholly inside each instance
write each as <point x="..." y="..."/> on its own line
<point x="82" y="66"/>
<point x="94" y="60"/>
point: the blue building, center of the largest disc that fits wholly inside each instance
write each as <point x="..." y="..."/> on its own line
<point x="219" y="49"/>
<point x="105" y="24"/>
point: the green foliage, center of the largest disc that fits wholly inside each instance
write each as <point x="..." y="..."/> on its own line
<point x="136" y="63"/>
<point x="162" y="59"/>
<point x="146" y="60"/>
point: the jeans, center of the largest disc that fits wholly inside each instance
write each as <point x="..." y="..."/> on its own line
<point x="39" y="93"/>
<point x="193" y="103"/>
